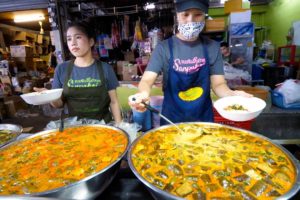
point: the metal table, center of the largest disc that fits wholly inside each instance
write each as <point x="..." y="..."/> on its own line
<point x="280" y="125"/>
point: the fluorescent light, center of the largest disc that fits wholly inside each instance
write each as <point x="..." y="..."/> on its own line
<point x="29" y="18"/>
<point x="149" y="6"/>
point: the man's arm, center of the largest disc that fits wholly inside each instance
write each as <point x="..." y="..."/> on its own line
<point x="144" y="88"/>
<point x="220" y="88"/>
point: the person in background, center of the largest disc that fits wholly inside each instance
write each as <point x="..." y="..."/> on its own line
<point x="191" y="66"/>
<point x="226" y="54"/>
<point x="52" y="57"/>
<point x="89" y="86"/>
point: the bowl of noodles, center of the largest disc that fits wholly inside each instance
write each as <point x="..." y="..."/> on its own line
<point x="238" y="108"/>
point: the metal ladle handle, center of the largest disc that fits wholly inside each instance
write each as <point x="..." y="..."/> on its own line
<point x="148" y="106"/>
<point x="159" y="113"/>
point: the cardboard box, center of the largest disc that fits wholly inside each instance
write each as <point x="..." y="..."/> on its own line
<point x="39" y="64"/>
<point x="233" y="6"/>
<point x="129" y="56"/>
<point x="239" y="17"/>
<point x="120" y="65"/>
<point x="5" y="80"/>
<point x="217" y="24"/>
<point x="24" y="63"/>
<point x="129" y="71"/>
<point x="20" y="36"/>
<point x="19" y="103"/>
<point x="21" y="51"/>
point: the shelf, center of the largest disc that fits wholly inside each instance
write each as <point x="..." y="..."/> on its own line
<point x="216" y="31"/>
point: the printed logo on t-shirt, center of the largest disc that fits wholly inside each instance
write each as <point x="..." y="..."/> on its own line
<point x="188" y="66"/>
<point x="84" y="83"/>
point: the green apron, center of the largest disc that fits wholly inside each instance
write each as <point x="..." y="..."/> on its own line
<point x="92" y="103"/>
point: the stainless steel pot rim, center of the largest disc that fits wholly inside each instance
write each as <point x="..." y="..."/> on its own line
<point x="82" y="180"/>
<point x="12" y="127"/>
<point x="287" y="195"/>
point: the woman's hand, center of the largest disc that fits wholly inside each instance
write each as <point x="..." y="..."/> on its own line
<point x="135" y="101"/>
<point x="56" y="104"/>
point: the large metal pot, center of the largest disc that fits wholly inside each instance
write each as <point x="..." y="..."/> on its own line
<point x="89" y="187"/>
<point x="160" y="194"/>
<point x="15" y="131"/>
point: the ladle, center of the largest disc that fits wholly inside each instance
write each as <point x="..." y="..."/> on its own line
<point x="183" y="134"/>
<point x="162" y="116"/>
<point x="61" y="124"/>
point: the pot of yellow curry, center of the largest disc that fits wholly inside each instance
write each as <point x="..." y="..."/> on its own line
<point x="78" y="163"/>
<point x="213" y="161"/>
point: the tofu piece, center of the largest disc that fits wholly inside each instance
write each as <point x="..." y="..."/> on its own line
<point x="253" y="174"/>
<point x="185" y="189"/>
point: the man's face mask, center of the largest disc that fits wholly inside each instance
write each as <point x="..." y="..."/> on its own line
<point x="191" y="30"/>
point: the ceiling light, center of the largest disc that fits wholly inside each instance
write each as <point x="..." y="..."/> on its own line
<point x="29" y="18"/>
<point x="149" y="6"/>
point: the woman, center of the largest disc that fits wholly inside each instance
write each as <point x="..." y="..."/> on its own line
<point x="89" y="86"/>
<point x="191" y="66"/>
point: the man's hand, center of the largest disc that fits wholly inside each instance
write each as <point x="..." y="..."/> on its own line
<point x="241" y="93"/>
<point x="135" y="101"/>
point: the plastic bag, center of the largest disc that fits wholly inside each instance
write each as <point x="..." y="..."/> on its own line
<point x="290" y="89"/>
<point x="131" y="128"/>
<point x="72" y="121"/>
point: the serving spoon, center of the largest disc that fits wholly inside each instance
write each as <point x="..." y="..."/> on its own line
<point x="61" y="124"/>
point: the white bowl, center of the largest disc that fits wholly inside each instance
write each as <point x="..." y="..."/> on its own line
<point x="253" y="105"/>
<point x="44" y="97"/>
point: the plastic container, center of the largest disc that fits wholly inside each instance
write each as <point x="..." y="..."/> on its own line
<point x="278" y="100"/>
<point x="221" y="120"/>
<point x="143" y="119"/>
<point x="156" y="102"/>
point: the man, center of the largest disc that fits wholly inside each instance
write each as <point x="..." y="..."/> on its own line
<point x="227" y="57"/>
<point x="191" y="66"/>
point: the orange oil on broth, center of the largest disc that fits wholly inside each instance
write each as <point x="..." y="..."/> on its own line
<point x="57" y="159"/>
<point x="228" y="164"/>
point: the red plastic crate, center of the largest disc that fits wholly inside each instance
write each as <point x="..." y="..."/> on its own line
<point x="221" y="120"/>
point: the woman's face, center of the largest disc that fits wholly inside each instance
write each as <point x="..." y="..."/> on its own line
<point x="78" y="43"/>
<point x="190" y="15"/>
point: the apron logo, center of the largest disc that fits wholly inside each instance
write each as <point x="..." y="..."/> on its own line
<point x="191" y="94"/>
<point x="84" y="83"/>
<point x="189" y="65"/>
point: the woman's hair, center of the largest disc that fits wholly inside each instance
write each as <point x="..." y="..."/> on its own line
<point x="85" y="27"/>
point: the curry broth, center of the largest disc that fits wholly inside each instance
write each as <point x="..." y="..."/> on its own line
<point x="224" y="163"/>
<point x="57" y="159"/>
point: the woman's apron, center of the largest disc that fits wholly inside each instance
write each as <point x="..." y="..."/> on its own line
<point x="187" y="96"/>
<point x="85" y="102"/>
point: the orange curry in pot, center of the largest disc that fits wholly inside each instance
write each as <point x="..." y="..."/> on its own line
<point x="222" y="163"/>
<point x="57" y="159"/>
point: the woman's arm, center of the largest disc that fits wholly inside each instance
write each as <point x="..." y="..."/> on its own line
<point x="220" y="88"/>
<point x="57" y="104"/>
<point x="114" y="106"/>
